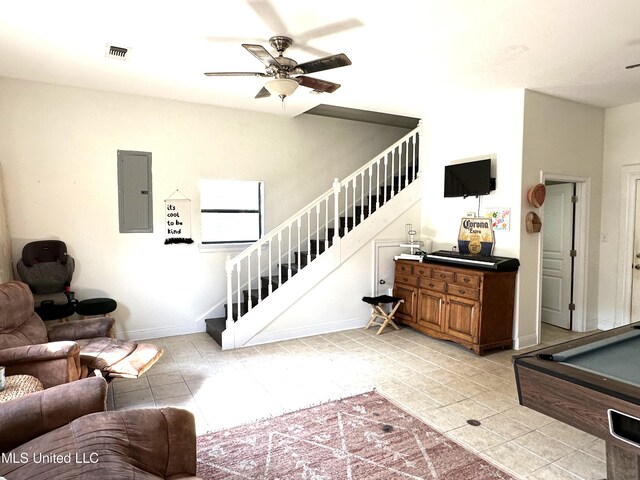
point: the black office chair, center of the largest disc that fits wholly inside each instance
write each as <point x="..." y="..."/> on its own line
<point x="47" y="268"/>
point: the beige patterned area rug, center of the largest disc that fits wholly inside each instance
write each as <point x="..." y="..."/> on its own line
<point x="364" y="437"/>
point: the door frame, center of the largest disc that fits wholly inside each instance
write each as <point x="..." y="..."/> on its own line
<point x="581" y="239"/>
<point x="630" y="174"/>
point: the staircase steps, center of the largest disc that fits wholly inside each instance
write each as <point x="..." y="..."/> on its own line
<point x="215" y="326"/>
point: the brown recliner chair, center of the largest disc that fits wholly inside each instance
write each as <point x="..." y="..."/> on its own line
<point x="66" y="351"/>
<point x="69" y="423"/>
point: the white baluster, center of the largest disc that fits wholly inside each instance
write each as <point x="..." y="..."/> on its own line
<point x="299" y="221"/>
<point x="249" y="302"/>
<point x="258" y="273"/>
<point x="336" y="210"/>
<point x="416" y="149"/>
<point x="229" y="269"/>
<point x="370" y="188"/>
<point x="362" y="183"/>
<point x="279" y="258"/>
<point x="386" y="160"/>
<point x="239" y="291"/>
<point x="326" y="223"/>
<point x="289" y="246"/>
<point x="378" y="186"/>
<point x="317" y="231"/>
<point x="393" y="171"/>
<point x="270" y="266"/>
<point x="353" y="205"/>
<point x="405" y="154"/>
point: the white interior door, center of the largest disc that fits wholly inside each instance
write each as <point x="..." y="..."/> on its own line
<point x="557" y="232"/>
<point x="384" y="266"/>
<point x="635" y="278"/>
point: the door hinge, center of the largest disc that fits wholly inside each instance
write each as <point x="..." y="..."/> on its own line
<point x="574" y="199"/>
<point x="573" y="253"/>
<point x="572" y="307"/>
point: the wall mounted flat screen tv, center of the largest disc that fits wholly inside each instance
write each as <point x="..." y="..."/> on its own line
<point x="468" y="179"/>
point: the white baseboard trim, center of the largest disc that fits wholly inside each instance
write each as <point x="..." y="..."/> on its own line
<point x="290" y="334"/>
<point x="606" y="325"/>
<point x="525" y="342"/>
<point x="149" y="333"/>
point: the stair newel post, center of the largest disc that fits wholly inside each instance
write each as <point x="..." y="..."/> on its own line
<point x="336" y="210"/>
<point x="228" y="264"/>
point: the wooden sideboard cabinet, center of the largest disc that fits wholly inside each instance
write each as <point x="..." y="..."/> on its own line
<point x="469" y="306"/>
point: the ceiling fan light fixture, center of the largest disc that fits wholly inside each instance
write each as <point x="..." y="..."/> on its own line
<point x="283" y="87"/>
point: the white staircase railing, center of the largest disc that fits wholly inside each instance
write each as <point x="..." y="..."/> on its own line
<point x="279" y="254"/>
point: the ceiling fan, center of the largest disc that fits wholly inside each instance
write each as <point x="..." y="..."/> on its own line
<point x="287" y="73"/>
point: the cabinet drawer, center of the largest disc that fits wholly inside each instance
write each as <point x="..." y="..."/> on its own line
<point x="443" y="275"/>
<point x="466" y="292"/>
<point x="403" y="268"/>
<point x="432" y="284"/>
<point x="406" y="279"/>
<point x="421" y="271"/>
<point x="472" y="281"/>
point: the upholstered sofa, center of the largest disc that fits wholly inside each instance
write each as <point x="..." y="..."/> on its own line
<point x="67" y="351"/>
<point x="64" y="432"/>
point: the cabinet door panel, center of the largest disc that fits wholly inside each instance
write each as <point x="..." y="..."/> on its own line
<point x="407" y="310"/>
<point x="431" y="309"/>
<point x="462" y="318"/>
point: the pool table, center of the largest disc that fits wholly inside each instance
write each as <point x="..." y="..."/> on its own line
<point x="593" y="384"/>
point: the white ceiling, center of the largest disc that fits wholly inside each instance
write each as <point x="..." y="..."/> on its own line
<point x="405" y="53"/>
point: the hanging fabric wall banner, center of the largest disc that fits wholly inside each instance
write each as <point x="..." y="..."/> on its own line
<point x="177" y="212"/>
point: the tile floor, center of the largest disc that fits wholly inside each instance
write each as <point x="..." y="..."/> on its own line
<point x="439" y="382"/>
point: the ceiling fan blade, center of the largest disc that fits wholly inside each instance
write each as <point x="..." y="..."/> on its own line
<point x="330" y="29"/>
<point x="263" y="93"/>
<point x="326" y="63"/>
<point x="317" y="85"/>
<point x="629" y="67"/>
<point x="264" y="9"/>
<point x="236" y="74"/>
<point x="261" y="54"/>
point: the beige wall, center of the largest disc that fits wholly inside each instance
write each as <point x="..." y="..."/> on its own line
<point x="561" y="138"/>
<point x="58" y="149"/>
<point x="468" y="126"/>
<point x="621" y="152"/>
<point x="527" y="133"/>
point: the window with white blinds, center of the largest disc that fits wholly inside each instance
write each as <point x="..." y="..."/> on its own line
<point x="231" y="211"/>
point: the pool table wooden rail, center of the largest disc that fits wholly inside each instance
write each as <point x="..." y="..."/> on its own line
<point x="581" y="399"/>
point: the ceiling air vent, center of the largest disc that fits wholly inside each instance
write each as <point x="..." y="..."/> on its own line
<point x="119" y="53"/>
